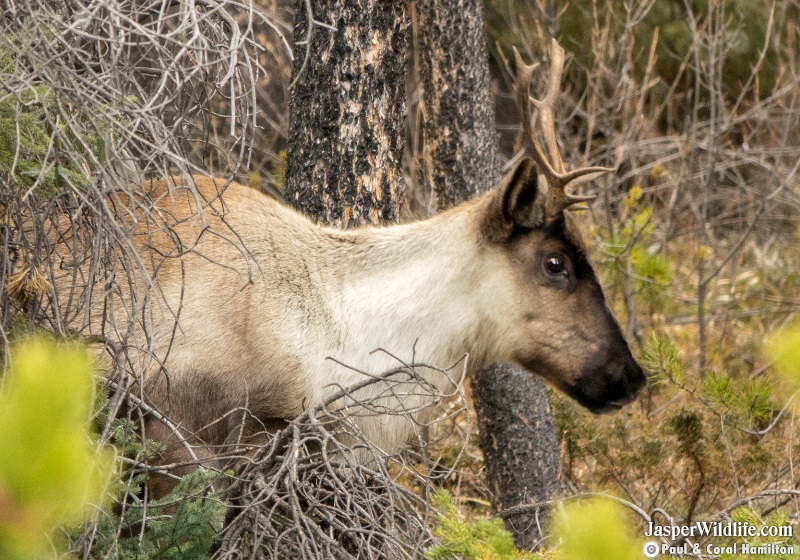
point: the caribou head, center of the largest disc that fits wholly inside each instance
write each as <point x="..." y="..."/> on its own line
<point x="559" y="325"/>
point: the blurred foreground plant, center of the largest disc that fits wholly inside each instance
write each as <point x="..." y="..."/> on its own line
<point x="784" y="348"/>
<point x="594" y="529"/>
<point x="51" y="475"/>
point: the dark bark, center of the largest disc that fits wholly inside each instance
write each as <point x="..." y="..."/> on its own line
<point x="460" y="157"/>
<point x="347" y="110"/>
<point x="458" y="150"/>
<point x="520" y="446"/>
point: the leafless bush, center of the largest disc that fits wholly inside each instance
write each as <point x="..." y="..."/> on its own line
<point x="318" y="488"/>
<point x="147" y="78"/>
<point x="99" y="97"/>
<point x="321" y="489"/>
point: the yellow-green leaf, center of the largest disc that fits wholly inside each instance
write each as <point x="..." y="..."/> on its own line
<point x="50" y="473"/>
<point x="595" y="530"/>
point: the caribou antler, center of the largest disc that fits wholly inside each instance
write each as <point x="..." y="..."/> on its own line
<point x="550" y="165"/>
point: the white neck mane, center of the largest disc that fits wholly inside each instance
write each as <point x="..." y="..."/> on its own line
<point x="415" y="292"/>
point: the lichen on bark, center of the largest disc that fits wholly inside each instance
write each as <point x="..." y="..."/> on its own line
<point x="347" y="112"/>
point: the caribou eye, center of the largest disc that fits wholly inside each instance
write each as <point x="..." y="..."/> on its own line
<point x="555" y="265"/>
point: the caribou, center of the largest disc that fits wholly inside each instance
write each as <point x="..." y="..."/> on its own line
<point x="253" y="307"/>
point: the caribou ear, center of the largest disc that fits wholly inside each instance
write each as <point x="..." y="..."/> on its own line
<point x="524" y="197"/>
<point x="518" y="202"/>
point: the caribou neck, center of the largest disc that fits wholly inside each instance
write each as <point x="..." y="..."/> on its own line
<point x="415" y="291"/>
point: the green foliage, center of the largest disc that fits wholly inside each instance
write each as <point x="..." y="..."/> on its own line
<point x="483" y="539"/>
<point x="630" y="257"/>
<point x="36" y="146"/>
<point x="180" y="526"/>
<point x="756" y="401"/>
<point x="595" y="530"/>
<point x="746" y="402"/>
<point x="751" y="516"/>
<point x="719" y="388"/>
<point x="691" y="435"/>
<point x="661" y="361"/>
<point x="688" y="427"/>
<point x="50" y="473"/>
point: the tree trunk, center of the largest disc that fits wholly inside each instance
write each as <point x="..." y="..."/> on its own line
<point x="346" y="119"/>
<point x="520" y="446"/>
<point x="460" y="157"/>
<point x="458" y="150"/>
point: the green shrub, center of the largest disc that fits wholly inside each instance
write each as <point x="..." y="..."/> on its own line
<point x="37" y="146"/>
<point x="483" y="539"/>
<point x="181" y="526"/>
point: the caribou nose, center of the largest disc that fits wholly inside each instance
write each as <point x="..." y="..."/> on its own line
<point x="629" y="379"/>
<point x="608" y="387"/>
<point x="632" y="382"/>
<point x="638" y="381"/>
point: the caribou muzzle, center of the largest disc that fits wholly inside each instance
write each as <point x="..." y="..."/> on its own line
<point x="607" y="384"/>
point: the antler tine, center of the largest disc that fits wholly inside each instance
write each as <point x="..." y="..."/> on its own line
<point x="550" y="165"/>
<point x="584" y="175"/>
<point x="524" y="75"/>
<point x="546" y="106"/>
<point x="577" y="198"/>
<point x="580" y="176"/>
